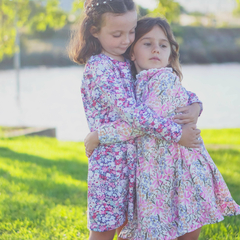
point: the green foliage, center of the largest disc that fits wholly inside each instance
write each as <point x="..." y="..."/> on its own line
<point x="142" y="11"/>
<point x="236" y="11"/>
<point x="34" y="15"/>
<point x="77" y="5"/>
<point x="43" y="185"/>
<point x="168" y="9"/>
<point x="47" y="15"/>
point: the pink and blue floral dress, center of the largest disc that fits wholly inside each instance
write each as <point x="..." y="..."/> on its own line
<point x="110" y="107"/>
<point x="179" y="189"/>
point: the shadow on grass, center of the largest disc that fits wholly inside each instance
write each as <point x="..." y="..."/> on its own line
<point x="30" y="202"/>
<point x="74" y="167"/>
<point x="48" y="188"/>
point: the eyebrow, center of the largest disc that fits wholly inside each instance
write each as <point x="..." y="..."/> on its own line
<point x="119" y="31"/>
<point x="163" y="39"/>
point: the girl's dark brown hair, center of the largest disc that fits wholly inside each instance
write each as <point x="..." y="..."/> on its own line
<point x="144" y="26"/>
<point x="82" y="44"/>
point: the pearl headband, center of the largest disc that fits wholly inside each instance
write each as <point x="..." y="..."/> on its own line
<point x="91" y="6"/>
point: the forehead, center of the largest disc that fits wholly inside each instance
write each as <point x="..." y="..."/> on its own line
<point x="116" y="22"/>
<point x="156" y="33"/>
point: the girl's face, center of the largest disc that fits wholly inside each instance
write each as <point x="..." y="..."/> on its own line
<point x="117" y="33"/>
<point x="152" y="50"/>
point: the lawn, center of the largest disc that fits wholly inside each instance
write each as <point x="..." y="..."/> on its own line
<point x="43" y="188"/>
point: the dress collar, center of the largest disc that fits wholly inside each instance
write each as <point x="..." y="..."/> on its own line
<point x="126" y="62"/>
<point x="145" y="75"/>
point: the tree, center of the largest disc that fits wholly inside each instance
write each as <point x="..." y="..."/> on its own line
<point x="169" y="9"/>
<point x="32" y="15"/>
<point x="78" y="5"/>
<point x="236" y="11"/>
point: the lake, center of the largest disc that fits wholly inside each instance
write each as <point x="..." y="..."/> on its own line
<point x="50" y="97"/>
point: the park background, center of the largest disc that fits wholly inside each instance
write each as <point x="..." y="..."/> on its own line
<point x="43" y="188"/>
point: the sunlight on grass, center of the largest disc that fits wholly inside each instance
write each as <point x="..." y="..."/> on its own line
<point x="221" y="136"/>
<point x="43" y="189"/>
<point x="43" y="185"/>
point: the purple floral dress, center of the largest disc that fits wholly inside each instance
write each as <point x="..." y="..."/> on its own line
<point x="179" y="189"/>
<point x="109" y="101"/>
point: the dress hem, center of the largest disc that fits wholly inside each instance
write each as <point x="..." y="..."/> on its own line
<point x="177" y="235"/>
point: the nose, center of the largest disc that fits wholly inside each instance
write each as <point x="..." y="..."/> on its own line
<point x="156" y="49"/>
<point x="126" y="39"/>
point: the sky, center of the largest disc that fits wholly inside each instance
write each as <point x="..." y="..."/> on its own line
<point x="204" y="6"/>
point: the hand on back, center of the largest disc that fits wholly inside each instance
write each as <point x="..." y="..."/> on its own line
<point x="190" y="136"/>
<point x="189" y="114"/>
<point x="91" y="142"/>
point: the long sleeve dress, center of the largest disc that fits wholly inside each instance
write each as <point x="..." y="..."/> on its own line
<point x="179" y="189"/>
<point x="108" y="97"/>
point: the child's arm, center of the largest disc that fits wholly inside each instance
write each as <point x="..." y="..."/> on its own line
<point x="165" y="94"/>
<point x="104" y="83"/>
<point x="122" y="131"/>
<point x="189" y="137"/>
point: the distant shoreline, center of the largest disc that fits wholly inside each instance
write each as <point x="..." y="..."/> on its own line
<point x="198" y="45"/>
<point x="82" y="66"/>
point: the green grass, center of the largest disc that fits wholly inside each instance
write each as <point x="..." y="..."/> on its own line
<point x="43" y="187"/>
<point x="221" y="136"/>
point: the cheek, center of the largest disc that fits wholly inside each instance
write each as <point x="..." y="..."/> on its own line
<point x="132" y="38"/>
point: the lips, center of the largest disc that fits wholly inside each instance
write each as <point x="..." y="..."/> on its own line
<point x="155" y="59"/>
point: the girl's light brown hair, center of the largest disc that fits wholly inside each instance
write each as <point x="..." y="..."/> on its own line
<point x="144" y="26"/>
<point x="82" y="44"/>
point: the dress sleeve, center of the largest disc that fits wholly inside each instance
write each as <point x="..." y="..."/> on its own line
<point x="117" y="131"/>
<point x="193" y="98"/>
<point x="137" y="115"/>
<point x="165" y="94"/>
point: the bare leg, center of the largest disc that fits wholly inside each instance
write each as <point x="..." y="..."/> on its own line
<point x="109" y="235"/>
<point x="191" y="236"/>
<point x="120" y="229"/>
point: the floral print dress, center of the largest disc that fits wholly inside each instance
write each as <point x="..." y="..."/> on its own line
<point x="110" y="107"/>
<point x="179" y="189"/>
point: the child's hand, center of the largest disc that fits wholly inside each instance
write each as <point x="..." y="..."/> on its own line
<point x="190" y="135"/>
<point x="189" y="114"/>
<point x="91" y="142"/>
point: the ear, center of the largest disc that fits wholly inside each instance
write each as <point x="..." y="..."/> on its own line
<point x="94" y="31"/>
<point x="133" y="58"/>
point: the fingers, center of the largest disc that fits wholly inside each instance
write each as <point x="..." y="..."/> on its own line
<point x="195" y="146"/>
<point x="182" y="109"/>
<point x="181" y="116"/>
<point x="88" y="153"/>
<point x="197" y="131"/>
<point x="182" y="121"/>
<point x="198" y="136"/>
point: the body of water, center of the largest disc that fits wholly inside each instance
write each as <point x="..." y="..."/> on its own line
<point x="50" y="97"/>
